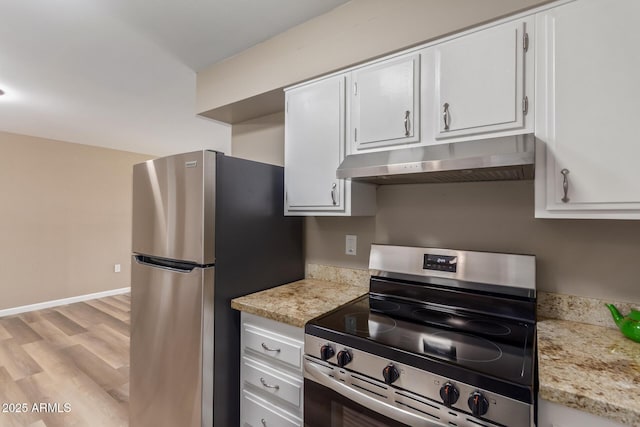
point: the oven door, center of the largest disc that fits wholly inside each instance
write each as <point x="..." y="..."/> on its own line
<point x="333" y="401"/>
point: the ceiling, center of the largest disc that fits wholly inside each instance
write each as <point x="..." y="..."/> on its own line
<point x="121" y="73"/>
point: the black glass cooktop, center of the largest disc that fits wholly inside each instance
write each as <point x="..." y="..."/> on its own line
<point x="490" y="346"/>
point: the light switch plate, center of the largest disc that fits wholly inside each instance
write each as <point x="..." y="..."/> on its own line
<point x="351" y="244"/>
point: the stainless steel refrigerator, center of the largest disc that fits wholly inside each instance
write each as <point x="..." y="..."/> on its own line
<point x="206" y="228"/>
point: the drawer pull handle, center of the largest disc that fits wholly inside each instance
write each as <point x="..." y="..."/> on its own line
<point x="267" y="385"/>
<point x="264" y="422"/>
<point x="277" y="350"/>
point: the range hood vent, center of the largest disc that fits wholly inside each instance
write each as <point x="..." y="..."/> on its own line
<point x="499" y="159"/>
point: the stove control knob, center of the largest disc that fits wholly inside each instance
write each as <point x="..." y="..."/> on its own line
<point x="344" y="357"/>
<point x="449" y="394"/>
<point x="478" y="404"/>
<point x="390" y="373"/>
<point x="326" y="352"/>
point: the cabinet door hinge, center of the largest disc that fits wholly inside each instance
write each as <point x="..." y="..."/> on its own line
<point x="525" y="105"/>
<point x="355" y="134"/>
<point x="525" y="42"/>
<point x="355" y="88"/>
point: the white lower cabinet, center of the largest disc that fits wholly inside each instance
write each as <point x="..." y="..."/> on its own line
<point x="271" y="373"/>
<point x="554" y="415"/>
<point x="258" y="412"/>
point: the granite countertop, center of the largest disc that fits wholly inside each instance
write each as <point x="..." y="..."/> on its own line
<point x="587" y="367"/>
<point x="298" y="302"/>
<point x="590" y="368"/>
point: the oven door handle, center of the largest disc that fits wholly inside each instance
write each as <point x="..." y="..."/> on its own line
<point x="314" y="372"/>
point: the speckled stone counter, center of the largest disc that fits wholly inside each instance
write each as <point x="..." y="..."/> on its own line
<point x="591" y="368"/>
<point x="298" y="302"/>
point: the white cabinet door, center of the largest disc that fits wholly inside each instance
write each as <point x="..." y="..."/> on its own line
<point x="588" y="102"/>
<point x="385" y="100"/>
<point x="314" y="146"/>
<point x="480" y="81"/>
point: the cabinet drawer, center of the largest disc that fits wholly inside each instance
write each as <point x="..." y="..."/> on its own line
<point x="273" y="346"/>
<point x="273" y="381"/>
<point x="257" y="412"/>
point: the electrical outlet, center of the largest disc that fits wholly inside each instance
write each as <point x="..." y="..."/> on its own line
<point x="116" y="268"/>
<point x="351" y="243"/>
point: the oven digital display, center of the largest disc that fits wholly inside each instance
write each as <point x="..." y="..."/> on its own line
<point x="440" y="263"/>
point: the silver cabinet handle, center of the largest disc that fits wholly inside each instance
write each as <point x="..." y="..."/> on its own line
<point x="277" y="350"/>
<point x="264" y="383"/>
<point x="264" y="422"/>
<point x="406" y="123"/>
<point x="333" y="194"/>
<point x="445" y="115"/>
<point x="565" y="184"/>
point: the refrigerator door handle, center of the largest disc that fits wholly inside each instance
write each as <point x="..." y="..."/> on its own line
<point x="181" y="267"/>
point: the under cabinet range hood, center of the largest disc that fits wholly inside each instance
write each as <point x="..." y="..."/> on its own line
<point x="498" y="159"/>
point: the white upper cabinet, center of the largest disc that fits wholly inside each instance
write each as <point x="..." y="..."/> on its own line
<point x="314" y="148"/>
<point x="385" y="103"/>
<point x="587" y="105"/>
<point x="484" y="81"/>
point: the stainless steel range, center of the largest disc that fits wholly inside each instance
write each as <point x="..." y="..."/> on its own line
<point x="444" y="338"/>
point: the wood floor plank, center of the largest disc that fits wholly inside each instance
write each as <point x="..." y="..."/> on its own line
<point x="49" y="332"/>
<point x="32" y="316"/>
<point x="42" y="388"/>
<point x="16" y="361"/>
<point x="19" y="330"/>
<point x="4" y="334"/>
<point x="121" y="394"/>
<point x="76" y="354"/>
<point x="111" y="310"/>
<point x="11" y="393"/>
<point x="86" y="315"/>
<point x="119" y="302"/>
<point x="100" y="341"/>
<point x="87" y="399"/>
<point x="95" y="368"/>
<point x="124" y="371"/>
<point x="63" y="323"/>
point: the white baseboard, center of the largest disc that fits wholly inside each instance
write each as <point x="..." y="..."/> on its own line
<point x="64" y="301"/>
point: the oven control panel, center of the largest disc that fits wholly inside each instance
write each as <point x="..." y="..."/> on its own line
<point x="465" y="404"/>
<point x="440" y="263"/>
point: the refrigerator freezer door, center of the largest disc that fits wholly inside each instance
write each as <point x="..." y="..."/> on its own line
<point x="173" y="207"/>
<point x="171" y="346"/>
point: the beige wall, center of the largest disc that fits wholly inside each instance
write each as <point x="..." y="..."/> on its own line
<point x="353" y="33"/>
<point x="260" y="139"/>
<point x="593" y="258"/>
<point x="65" y="219"/>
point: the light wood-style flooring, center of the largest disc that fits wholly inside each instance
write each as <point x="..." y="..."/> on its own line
<point x="77" y="354"/>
